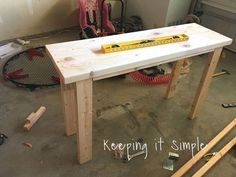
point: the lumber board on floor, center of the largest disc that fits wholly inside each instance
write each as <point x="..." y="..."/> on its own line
<point x="180" y="172"/>
<point x="215" y="158"/>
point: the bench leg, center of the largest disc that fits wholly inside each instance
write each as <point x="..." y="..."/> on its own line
<point x="174" y="80"/>
<point x="205" y="82"/>
<point x="69" y="105"/>
<point x="84" y="120"/>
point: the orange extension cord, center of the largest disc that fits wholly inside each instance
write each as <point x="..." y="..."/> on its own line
<point x="150" y="80"/>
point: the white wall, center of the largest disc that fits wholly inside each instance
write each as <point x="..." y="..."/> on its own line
<point x="177" y="10"/>
<point x="26" y="17"/>
<point x="221" y="17"/>
<point x="158" y="13"/>
<point x="152" y="12"/>
<point x="228" y="5"/>
<point x="116" y="9"/>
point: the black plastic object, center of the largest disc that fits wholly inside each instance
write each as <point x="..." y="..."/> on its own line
<point x="2" y="138"/>
<point x="89" y="32"/>
<point x="229" y="105"/>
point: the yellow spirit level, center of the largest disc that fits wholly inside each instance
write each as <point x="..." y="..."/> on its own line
<point x="116" y="47"/>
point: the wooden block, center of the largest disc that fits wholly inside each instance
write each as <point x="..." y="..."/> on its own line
<point x="84" y="120"/>
<point x="174" y="80"/>
<point x="202" y="152"/>
<point x="205" y="82"/>
<point x="69" y="107"/>
<point x="33" y="118"/>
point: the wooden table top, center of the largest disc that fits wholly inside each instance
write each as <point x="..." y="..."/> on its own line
<point x="83" y="59"/>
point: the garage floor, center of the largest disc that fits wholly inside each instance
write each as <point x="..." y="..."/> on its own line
<point x="123" y="111"/>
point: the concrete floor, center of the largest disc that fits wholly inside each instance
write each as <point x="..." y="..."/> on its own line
<point x="123" y="111"/>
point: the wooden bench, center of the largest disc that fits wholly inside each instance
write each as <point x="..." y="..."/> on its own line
<point x="82" y="62"/>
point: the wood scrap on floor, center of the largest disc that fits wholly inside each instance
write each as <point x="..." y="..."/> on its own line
<point x="33" y="118"/>
<point x="29" y="145"/>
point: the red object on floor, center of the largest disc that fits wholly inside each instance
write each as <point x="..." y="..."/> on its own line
<point x="18" y="74"/>
<point x="33" y="52"/>
<point x="150" y="80"/>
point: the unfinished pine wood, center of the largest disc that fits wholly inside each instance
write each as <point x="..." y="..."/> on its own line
<point x="84" y="120"/>
<point x="215" y="158"/>
<point x="69" y="107"/>
<point x="33" y="118"/>
<point x="80" y="62"/>
<point x="174" y="79"/>
<point x="202" y="152"/>
<point x="83" y="59"/>
<point x="205" y="82"/>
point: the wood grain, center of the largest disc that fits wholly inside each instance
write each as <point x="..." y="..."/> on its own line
<point x="174" y="79"/>
<point x="33" y="118"/>
<point x="83" y="59"/>
<point x="205" y="82"/>
<point x="69" y="106"/>
<point x="84" y="120"/>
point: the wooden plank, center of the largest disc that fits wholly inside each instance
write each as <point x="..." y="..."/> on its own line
<point x="202" y="152"/>
<point x="215" y="158"/>
<point x="69" y="107"/>
<point x="123" y="72"/>
<point x="84" y="120"/>
<point x="83" y="59"/>
<point x="205" y="82"/>
<point x="174" y="80"/>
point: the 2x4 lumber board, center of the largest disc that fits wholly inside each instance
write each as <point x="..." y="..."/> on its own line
<point x="205" y="81"/>
<point x="174" y="79"/>
<point x="69" y="107"/>
<point x="84" y="120"/>
<point x="83" y="59"/>
<point x="215" y="158"/>
<point x="202" y="152"/>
